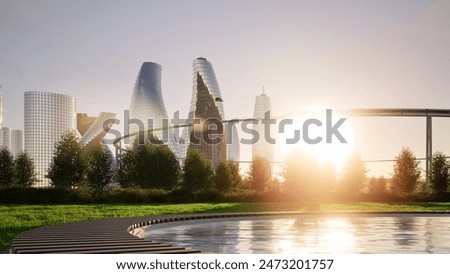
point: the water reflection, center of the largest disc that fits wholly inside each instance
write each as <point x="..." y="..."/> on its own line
<point x="311" y="234"/>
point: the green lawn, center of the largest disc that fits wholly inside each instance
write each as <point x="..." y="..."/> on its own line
<point x="15" y="219"/>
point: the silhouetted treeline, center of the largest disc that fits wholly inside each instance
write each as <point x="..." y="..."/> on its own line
<point x="152" y="173"/>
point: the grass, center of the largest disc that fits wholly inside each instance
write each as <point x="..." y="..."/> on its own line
<point x="15" y="219"/>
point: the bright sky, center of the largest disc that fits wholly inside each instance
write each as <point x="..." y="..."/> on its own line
<point x="339" y="54"/>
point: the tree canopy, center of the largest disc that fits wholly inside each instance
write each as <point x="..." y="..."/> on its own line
<point x="24" y="173"/>
<point x="6" y="167"/>
<point x="198" y="171"/>
<point x="406" y="173"/>
<point x="149" y="166"/>
<point x="68" y="166"/>
<point x="259" y="173"/>
<point x="227" y="176"/>
<point x="440" y="176"/>
<point x="99" y="171"/>
<point x="354" y="174"/>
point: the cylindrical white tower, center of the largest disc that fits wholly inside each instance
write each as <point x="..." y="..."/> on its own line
<point x="47" y="117"/>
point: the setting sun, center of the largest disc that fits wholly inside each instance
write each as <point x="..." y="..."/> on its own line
<point x="332" y="151"/>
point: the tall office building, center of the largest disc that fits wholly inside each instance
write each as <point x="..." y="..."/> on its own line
<point x="16" y="145"/>
<point x="261" y="148"/>
<point x="5" y="137"/>
<point x="147" y="109"/>
<point x="47" y="117"/>
<point x="10" y="138"/>
<point x="234" y="149"/>
<point x="205" y="114"/>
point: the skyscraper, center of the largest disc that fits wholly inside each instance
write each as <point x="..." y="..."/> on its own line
<point x="147" y="109"/>
<point x="234" y="150"/>
<point x="10" y="138"/>
<point x="205" y="115"/>
<point x="47" y="117"/>
<point x="16" y="146"/>
<point x="5" y="137"/>
<point x="261" y="148"/>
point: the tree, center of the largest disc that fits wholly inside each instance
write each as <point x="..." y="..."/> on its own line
<point x="377" y="186"/>
<point x="236" y="178"/>
<point x="164" y="167"/>
<point x="68" y="167"/>
<point x="228" y="176"/>
<point x="406" y="172"/>
<point x="24" y="174"/>
<point x="6" y="167"/>
<point x="302" y="174"/>
<point x="328" y="177"/>
<point x="440" y="176"/>
<point x="99" y="172"/>
<point x="259" y="173"/>
<point x="126" y="169"/>
<point x="198" y="171"/>
<point x="223" y="179"/>
<point x="149" y="166"/>
<point x="354" y="174"/>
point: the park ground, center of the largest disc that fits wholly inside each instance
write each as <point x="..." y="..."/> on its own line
<point x="15" y="219"/>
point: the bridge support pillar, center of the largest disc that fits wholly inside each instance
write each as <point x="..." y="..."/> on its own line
<point x="429" y="151"/>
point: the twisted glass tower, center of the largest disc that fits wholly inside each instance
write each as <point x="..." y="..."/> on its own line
<point x="205" y="115"/>
<point x="147" y="109"/>
<point x="47" y="117"/>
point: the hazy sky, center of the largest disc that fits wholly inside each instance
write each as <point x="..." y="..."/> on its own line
<point x="330" y="53"/>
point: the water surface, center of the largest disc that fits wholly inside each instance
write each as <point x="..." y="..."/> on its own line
<point x="402" y="233"/>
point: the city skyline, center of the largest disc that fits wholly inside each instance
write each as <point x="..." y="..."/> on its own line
<point x="383" y="54"/>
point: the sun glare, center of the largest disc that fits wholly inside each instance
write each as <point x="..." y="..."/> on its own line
<point x="333" y="152"/>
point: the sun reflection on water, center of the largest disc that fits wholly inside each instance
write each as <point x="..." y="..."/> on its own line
<point x="310" y="234"/>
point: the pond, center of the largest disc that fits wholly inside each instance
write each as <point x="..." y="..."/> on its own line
<point x="393" y="233"/>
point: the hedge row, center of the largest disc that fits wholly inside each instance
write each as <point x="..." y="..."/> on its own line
<point x="145" y="196"/>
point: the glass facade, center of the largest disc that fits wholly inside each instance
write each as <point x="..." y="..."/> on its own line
<point x="206" y="111"/>
<point x="148" y="111"/>
<point x="5" y="137"/>
<point x="47" y="117"/>
<point x="11" y="138"/>
<point x="261" y="149"/>
<point x="16" y="141"/>
<point x="234" y="150"/>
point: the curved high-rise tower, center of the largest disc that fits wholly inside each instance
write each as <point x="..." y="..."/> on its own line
<point x="47" y="117"/>
<point x="147" y="109"/>
<point x="205" y="115"/>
